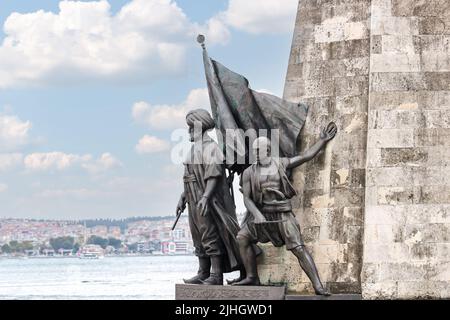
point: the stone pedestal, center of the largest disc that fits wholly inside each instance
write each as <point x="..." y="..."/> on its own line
<point x="200" y="292"/>
<point x="332" y="297"/>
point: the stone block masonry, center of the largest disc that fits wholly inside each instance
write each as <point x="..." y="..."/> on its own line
<point x="329" y="70"/>
<point x="375" y="206"/>
<point x="407" y="212"/>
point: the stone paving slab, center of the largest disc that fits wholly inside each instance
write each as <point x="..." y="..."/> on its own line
<point x="201" y="292"/>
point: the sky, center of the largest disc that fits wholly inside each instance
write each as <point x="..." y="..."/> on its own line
<point x="93" y="96"/>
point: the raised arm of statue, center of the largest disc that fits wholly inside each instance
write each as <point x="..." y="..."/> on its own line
<point x="248" y="202"/>
<point x="327" y="134"/>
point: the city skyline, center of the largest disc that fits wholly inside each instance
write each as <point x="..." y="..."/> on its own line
<point x="138" y="230"/>
<point x="91" y="91"/>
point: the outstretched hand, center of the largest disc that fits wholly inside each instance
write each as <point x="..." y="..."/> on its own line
<point x="329" y="132"/>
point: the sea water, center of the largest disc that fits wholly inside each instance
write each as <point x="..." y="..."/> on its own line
<point x="143" y="278"/>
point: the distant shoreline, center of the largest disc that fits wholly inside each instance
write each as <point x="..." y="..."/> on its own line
<point x="76" y="257"/>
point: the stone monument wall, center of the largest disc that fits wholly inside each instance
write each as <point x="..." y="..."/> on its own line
<point x="375" y="207"/>
<point x="407" y="216"/>
<point x="329" y="70"/>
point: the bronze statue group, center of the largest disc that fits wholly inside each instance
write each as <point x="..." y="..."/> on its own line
<point x="221" y="245"/>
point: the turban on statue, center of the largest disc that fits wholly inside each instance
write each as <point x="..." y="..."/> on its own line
<point x="202" y="116"/>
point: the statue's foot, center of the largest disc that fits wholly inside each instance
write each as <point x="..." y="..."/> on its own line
<point x="248" y="281"/>
<point x="322" y="292"/>
<point x="213" y="280"/>
<point x="233" y="281"/>
<point x="196" y="279"/>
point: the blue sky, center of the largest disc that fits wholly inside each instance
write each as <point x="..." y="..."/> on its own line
<point x="82" y="84"/>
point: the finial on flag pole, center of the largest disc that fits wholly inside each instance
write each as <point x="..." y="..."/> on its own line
<point x="201" y="39"/>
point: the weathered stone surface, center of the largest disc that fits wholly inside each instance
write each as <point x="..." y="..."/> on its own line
<point x="433" y="26"/>
<point x="332" y="297"/>
<point x="420" y="8"/>
<point x="433" y="137"/>
<point x="406" y="231"/>
<point x="403" y="156"/>
<point x="329" y="70"/>
<point x="199" y="292"/>
<point x="391" y="138"/>
<point x="381" y="190"/>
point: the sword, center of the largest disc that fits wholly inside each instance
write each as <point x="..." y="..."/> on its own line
<point x="176" y="220"/>
<point x="179" y="213"/>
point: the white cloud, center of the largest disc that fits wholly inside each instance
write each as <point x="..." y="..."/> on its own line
<point x="106" y="162"/>
<point x="62" y="161"/>
<point x="261" y="16"/>
<point x="53" y="160"/>
<point x="3" y="187"/>
<point x="166" y="116"/>
<point x="149" y="144"/>
<point x="144" y="39"/>
<point x="216" y="31"/>
<point x="85" y="40"/>
<point x="13" y="132"/>
<point x="10" y="160"/>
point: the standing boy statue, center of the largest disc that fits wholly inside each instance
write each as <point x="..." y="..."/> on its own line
<point x="267" y="197"/>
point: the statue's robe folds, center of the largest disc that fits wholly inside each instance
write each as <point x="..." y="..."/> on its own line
<point x="216" y="233"/>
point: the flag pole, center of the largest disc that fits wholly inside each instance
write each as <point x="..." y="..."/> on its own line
<point x="232" y="139"/>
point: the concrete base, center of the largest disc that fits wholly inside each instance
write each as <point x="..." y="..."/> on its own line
<point x="200" y="292"/>
<point x="332" y="297"/>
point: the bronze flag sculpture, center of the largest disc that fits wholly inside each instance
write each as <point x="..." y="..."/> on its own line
<point x="237" y="109"/>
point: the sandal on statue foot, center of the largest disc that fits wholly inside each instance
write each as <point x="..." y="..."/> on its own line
<point x="196" y="279"/>
<point x="322" y="292"/>
<point x="233" y="281"/>
<point x="248" y="282"/>
<point x="213" y="280"/>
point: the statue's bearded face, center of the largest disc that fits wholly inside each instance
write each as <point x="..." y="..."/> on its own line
<point x="195" y="133"/>
<point x="261" y="150"/>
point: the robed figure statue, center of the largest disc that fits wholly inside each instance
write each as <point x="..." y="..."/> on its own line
<point x="212" y="216"/>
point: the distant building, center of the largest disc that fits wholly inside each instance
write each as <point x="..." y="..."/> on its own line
<point x="176" y="247"/>
<point x="148" y="235"/>
<point x="48" y="252"/>
<point x="32" y="252"/>
<point x="65" y="252"/>
<point x="144" y="247"/>
<point x="114" y="232"/>
<point x="100" y="231"/>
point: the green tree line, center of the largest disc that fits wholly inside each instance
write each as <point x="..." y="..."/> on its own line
<point x="103" y="242"/>
<point x="16" y="247"/>
<point x="66" y="243"/>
